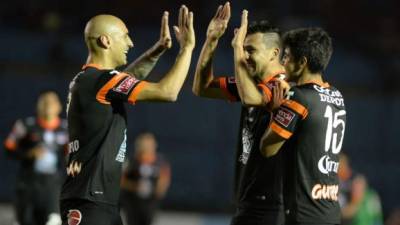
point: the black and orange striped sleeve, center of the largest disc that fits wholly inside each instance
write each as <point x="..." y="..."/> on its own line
<point x="266" y="86"/>
<point x="266" y="89"/>
<point x="289" y="115"/>
<point x="118" y="86"/>
<point x="228" y="86"/>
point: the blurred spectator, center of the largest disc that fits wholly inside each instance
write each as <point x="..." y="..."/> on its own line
<point x="360" y="204"/>
<point x="145" y="180"/>
<point x="394" y="217"/>
<point x="39" y="144"/>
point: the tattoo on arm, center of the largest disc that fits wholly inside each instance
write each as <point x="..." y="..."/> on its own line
<point x="143" y="65"/>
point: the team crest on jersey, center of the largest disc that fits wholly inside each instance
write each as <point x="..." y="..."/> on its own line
<point x="126" y="85"/>
<point x="284" y="117"/>
<point x="74" y="217"/>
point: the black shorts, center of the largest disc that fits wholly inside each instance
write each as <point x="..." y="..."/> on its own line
<point x="84" y="212"/>
<point x="245" y="216"/>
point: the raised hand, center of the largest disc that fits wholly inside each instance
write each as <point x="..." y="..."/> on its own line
<point x="278" y="96"/>
<point x="219" y="22"/>
<point x="165" y="36"/>
<point x="240" y="33"/>
<point x="184" y="32"/>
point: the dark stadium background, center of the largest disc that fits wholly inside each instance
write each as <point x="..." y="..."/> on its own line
<point x="42" y="47"/>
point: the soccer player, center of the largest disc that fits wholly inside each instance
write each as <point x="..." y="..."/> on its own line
<point x="97" y="116"/>
<point x="39" y="143"/>
<point x="258" y="200"/>
<point x="308" y="129"/>
<point x="145" y="180"/>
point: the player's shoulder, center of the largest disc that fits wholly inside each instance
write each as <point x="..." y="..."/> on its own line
<point x="319" y="88"/>
<point x="297" y="93"/>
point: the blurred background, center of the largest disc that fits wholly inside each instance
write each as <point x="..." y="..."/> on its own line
<point x="42" y="47"/>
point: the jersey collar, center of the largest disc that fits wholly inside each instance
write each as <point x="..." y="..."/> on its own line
<point x="49" y="125"/>
<point x="317" y="82"/>
<point x="92" y="65"/>
<point x="272" y="76"/>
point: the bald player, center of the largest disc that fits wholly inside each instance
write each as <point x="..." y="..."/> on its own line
<point x="97" y="116"/>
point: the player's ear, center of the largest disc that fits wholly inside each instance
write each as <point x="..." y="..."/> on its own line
<point x="276" y="53"/>
<point x="104" y="41"/>
<point x="303" y="62"/>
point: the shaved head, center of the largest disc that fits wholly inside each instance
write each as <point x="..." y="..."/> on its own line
<point x="103" y="25"/>
<point x="107" y="38"/>
<point x="272" y="40"/>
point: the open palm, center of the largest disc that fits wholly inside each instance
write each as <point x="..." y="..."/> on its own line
<point x="219" y="22"/>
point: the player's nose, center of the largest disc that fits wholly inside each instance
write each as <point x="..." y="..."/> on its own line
<point x="130" y="43"/>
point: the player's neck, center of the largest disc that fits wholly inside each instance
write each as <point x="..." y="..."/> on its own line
<point x="48" y="122"/>
<point x="272" y="71"/>
<point x="48" y="118"/>
<point x="101" y="60"/>
<point x="308" y="77"/>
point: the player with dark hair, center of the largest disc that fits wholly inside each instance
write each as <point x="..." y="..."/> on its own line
<point x="97" y="116"/>
<point x="258" y="200"/>
<point x="39" y="143"/>
<point x="308" y="129"/>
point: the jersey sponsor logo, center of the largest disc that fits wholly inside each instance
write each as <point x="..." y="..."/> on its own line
<point x="330" y="96"/>
<point x="284" y="116"/>
<point x="332" y="100"/>
<point x="74" y="168"/>
<point x="71" y="86"/>
<point x="326" y="165"/>
<point x="247" y="135"/>
<point x="74" y="217"/>
<point x="126" y="85"/>
<point x="327" y="91"/>
<point x="122" y="149"/>
<point x="325" y="192"/>
<point x="247" y="142"/>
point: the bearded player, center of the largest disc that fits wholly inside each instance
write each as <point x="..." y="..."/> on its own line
<point x="308" y="129"/>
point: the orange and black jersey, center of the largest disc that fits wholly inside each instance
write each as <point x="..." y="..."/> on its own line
<point x="97" y="128"/>
<point x="252" y="189"/>
<point x="313" y="122"/>
<point x="33" y="132"/>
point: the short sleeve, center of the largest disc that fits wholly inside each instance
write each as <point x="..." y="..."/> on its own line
<point x="266" y="90"/>
<point x="118" y="86"/>
<point x="266" y="86"/>
<point x="290" y="114"/>
<point x="228" y="86"/>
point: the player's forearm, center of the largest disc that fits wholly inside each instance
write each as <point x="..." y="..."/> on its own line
<point x="143" y="65"/>
<point x="268" y="146"/>
<point x="162" y="187"/>
<point x="203" y="74"/>
<point x="247" y="88"/>
<point x="268" y="149"/>
<point x="173" y="81"/>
